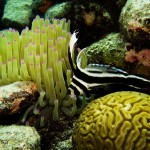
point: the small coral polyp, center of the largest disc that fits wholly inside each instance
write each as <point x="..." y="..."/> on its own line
<point x="39" y="55"/>
<point x="117" y="121"/>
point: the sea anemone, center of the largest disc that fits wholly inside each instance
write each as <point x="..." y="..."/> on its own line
<point x="39" y="55"/>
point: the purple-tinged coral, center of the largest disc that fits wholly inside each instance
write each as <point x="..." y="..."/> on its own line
<point x="144" y="57"/>
<point x="141" y="57"/>
<point x="131" y="56"/>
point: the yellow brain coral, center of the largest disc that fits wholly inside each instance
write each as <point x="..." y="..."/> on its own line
<point x="117" y="121"/>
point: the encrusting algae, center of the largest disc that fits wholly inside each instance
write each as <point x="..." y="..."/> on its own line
<point x="116" y="121"/>
<point x="39" y="55"/>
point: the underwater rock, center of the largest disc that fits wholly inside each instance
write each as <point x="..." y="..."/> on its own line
<point x="92" y="21"/>
<point x="109" y="50"/>
<point x="56" y="135"/>
<point x="116" y="121"/>
<point x="15" y="97"/>
<point x="41" y="6"/>
<point x="135" y="21"/>
<point x="114" y="8"/>
<point x="59" y="11"/>
<point x="84" y="16"/>
<point x="19" y="137"/>
<point x="17" y="14"/>
<point x="63" y="145"/>
<point x="112" y="50"/>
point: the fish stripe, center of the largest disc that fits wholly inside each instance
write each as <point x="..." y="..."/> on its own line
<point x="80" y="83"/>
<point x="112" y="78"/>
<point x="73" y="90"/>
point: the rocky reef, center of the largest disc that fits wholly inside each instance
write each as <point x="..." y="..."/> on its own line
<point x="135" y="21"/>
<point x="115" y="33"/>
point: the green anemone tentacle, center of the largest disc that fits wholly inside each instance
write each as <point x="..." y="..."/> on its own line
<point x="39" y="54"/>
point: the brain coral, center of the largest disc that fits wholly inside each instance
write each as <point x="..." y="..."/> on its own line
<point x="117" y="121"/>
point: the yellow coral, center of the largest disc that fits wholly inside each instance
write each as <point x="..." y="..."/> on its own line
<point x="117" y="121"/>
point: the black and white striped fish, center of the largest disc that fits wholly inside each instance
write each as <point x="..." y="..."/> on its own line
<point x="100" y="78"/>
